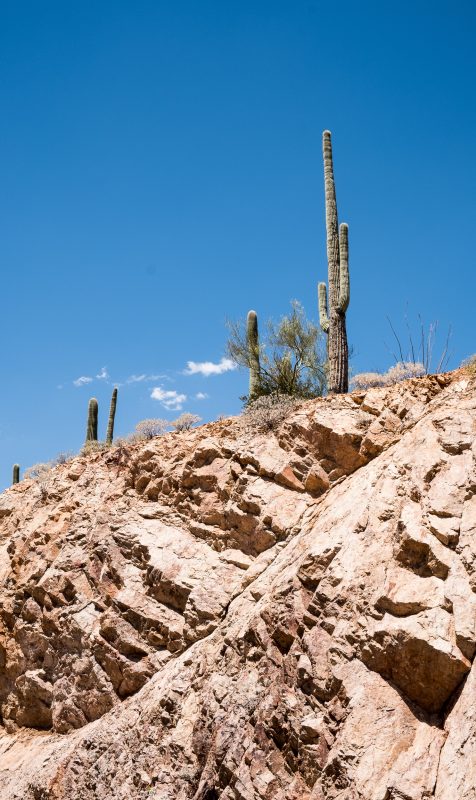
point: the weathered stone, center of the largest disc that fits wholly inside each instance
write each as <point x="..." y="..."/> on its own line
<point x="223" y="616"/>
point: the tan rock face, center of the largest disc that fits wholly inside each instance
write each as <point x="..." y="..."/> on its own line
<point x="218" y="616"/>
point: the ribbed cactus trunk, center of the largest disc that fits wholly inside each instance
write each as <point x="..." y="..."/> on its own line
<point x="252" y="338"/>
<point x="112" y="414"/>
<point x="16" y="473"/>
<point x="332" y="308"/>
<point x="92" y="429"/>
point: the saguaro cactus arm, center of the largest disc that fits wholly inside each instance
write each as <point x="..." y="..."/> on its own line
<point x="332" y="228"/>
<point x="323" y="315"/>
<point x="344" y="280"/>
<point x="16" y="473"/>
<point x="112" y="414"/>
<point x="92" y="428"/>
<point x="252" y="338"/>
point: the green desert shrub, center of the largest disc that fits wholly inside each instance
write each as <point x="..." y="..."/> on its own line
<point x="289" y="359"/>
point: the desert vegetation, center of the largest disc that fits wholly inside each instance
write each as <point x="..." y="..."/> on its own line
<point x="292" y="359"/>
<point x="288" y="360"/>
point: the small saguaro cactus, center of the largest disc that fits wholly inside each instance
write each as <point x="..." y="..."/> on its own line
<point x="333" y="305"/>
<point x="16" y="473"/>
<point x="253" y="353"/>
<point x="92" y="429"/>
<point x="112" y="414"/>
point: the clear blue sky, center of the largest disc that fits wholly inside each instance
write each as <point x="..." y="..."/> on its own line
<point x="161" y="171"/>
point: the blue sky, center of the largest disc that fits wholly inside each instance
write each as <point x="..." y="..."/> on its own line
<point x="161" y="171"/>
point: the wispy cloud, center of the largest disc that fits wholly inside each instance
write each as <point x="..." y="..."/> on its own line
<point x="103" y="374"/>
<point x="144" y="377"/>
<point x="209" y="368"/>
<point x="83" y="380"/>
<point x="170" y="399"/>
<point x="201" y="396"/>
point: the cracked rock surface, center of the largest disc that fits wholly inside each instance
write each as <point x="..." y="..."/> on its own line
<point x="221" y="615"/>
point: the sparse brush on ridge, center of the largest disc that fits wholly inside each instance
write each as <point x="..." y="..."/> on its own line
<point x="185" y="422"/>
<point x="469" y="365"/>
<point x="148" y="428"/>
<point x="419" y="348"/>
<point x="38" y="470"/>
<point x="287" y="360"/>
<point x="112" y="415"/>
<point x="92" y="426"/>
<point x="16" y="474"/>
<point x="333" y="304"/>
<point x="93" y="446"/>
<point x="401" y="371"/>
<point x="62" y="458"/>
<point x="266" y="413"/>
<point x="40" y="474"/>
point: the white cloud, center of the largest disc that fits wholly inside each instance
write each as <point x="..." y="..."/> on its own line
<point x="144" y="377"/>
<point x="170" y="399"/>
<point x="83" y="380"/>
<point x="209" y="368"/>
<point x="201" y="396"/>
<point x="103" y="375"/>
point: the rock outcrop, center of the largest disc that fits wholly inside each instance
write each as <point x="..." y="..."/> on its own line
<point x="217" y="615"/>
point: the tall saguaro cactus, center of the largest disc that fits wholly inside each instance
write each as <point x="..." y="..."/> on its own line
<point x="16" y="473"/>
<point x="92" y="429"/>
<point x="112" y="414"/>
<point x="333" y="305"/>
<point x="253" y="353"/>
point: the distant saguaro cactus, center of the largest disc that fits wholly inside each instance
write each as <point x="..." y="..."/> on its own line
<point x="92" y="429"/>
<point x="112" y="414"/>
<point x="16" y="473"/>
<point x="332" y="309"/>
<point x="253" y="353"/>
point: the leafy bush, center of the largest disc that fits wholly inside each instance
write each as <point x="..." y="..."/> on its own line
<point x="266" y="413"/>
<point x="185" y="422"/>
<point x="148" y="428"/>
<point x="291" y="355"/>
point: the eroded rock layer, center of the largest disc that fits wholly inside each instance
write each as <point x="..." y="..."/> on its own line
<point x="221" y="615"/>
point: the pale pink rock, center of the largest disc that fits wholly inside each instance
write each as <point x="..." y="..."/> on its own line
<point x="217" y="615"/>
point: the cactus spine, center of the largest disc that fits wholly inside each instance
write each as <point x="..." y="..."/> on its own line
<point x="112" y="414"/>
<point x="332" y="308"/>
<point x="16" y="473"/>
<point x="92" y="429"/>
<point x="253" y="353"/>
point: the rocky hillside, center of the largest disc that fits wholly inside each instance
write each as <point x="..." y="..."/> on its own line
<point x="225" y="615"/>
